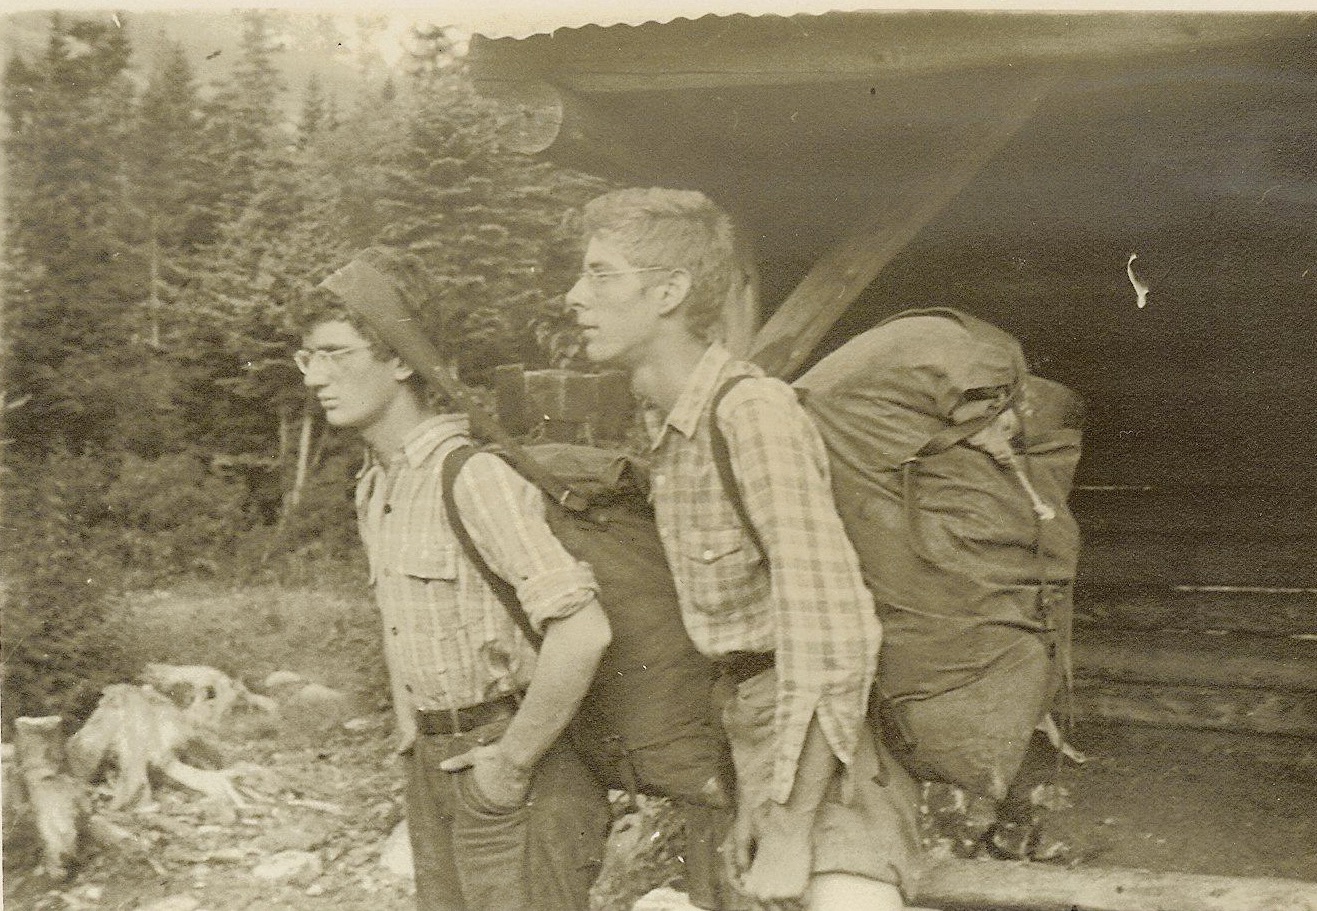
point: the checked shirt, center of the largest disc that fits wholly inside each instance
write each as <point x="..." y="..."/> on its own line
<point x="806" y="601"/>
<point x="448" y="640"/>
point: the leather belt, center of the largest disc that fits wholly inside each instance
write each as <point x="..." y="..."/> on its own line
<point x="456" y="721"/>
<point x="741" y="666"/>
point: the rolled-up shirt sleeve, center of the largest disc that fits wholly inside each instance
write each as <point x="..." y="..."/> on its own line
<point x="505" y="516"/>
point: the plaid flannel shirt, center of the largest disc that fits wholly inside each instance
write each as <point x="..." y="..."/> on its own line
<point x="807" y="601"/>
<point x="448" y="640"/>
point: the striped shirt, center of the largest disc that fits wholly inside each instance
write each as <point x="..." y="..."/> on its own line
<point x="448" y="640"/>
<point x="807" y="601"/>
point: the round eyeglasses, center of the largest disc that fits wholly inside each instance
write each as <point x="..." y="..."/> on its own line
<point x="331" y="358"/>
<point x="592" y="276"/>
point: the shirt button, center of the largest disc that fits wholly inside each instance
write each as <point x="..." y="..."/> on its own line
<point x="394" y="630"/>
<point x="708" y="555"/>
<point x="658" y="480"/>
<point x="388" y="507"/>
<point x="407" y="687"/>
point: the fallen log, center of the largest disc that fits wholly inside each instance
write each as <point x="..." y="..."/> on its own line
<point x="994" y="885"/>
<point x="58" y="801"/>
<point x="979" y="885"/>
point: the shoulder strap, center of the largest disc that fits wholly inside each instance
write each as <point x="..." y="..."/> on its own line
<point x="722" y="459"/>
<point x="502" y="589"/>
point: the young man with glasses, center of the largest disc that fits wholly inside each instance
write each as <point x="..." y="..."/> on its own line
<point x="502" y="813"/>
<point x="775" y="595"/>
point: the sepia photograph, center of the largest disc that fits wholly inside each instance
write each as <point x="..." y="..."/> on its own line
<point x="628" y="455"/>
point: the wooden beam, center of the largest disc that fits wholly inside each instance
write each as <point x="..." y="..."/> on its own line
<point x="729" y="52"/>
<point x="532" y="116"/>
<point x="528" y="113"/>
<point x="962" y="885"/>
<point x="789" y="336"/>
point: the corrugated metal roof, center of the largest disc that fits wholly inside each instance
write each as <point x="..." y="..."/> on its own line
<point x="526" y="18"/>
<point x="512" y="21"/>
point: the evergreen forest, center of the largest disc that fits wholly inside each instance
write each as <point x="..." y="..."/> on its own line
<point x="161" y="231"/>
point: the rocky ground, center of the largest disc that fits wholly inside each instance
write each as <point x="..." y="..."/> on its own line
<point x="319" y="807"/>
<point x="320" y="795"/>
<point x="318" y="811"/>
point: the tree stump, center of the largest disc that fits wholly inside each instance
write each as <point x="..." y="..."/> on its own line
<point x="206" y="695"/>
<point x="141" y="731"/>
<point x="58" y="801"/>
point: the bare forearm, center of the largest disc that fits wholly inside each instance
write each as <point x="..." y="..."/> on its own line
<point x="566" y="666"/>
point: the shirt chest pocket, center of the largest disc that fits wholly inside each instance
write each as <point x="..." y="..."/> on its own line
<point x="722" y="566"/>
<point x="428" y="562"/>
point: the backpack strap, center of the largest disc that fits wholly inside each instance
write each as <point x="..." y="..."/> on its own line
<point x="722" y="460"/>
<point x="502" y="589"/>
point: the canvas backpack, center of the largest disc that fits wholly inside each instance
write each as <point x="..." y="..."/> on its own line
<point x="970" y="557"/>
<point x="647" y="724"/>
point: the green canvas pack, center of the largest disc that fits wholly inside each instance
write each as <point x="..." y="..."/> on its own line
<point x="647" y="724"/>
<point x="970" y="556"/>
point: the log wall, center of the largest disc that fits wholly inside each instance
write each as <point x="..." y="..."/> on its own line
<point x="1197" y="608"/>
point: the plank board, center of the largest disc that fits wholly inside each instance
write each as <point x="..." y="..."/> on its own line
<point x="836" y="280"/>
<point x="1275" y="613"/>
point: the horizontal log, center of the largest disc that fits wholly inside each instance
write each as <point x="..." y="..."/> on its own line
<point x="1286" y="754"/>
<point x="1259" y="611"/>
<point x="978" y="885"/>
<point x="1214" y="708"/>
<point x="1158" y="656"/>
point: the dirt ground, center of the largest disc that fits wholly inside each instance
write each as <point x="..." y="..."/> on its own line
<point x="1158" y="800"/>
<point x="1191" y="802"/>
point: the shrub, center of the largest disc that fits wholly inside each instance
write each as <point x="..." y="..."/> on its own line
<point x="64" y="637"/>
<point x="169" y="517"/>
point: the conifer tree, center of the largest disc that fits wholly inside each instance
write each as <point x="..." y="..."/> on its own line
<point x="315" y="110"/>
<point x="67" y="230"/>
<point x="175" y="202"/>
<point x="486" y="221"/>
<point x="70" y="283"/>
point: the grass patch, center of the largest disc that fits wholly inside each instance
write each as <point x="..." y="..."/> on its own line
<point x="327" y="631"/>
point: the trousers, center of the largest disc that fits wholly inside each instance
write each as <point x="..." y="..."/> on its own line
<point x="470" y="856"/>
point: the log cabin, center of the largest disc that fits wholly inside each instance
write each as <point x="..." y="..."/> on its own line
<point x="1039" y="170"/>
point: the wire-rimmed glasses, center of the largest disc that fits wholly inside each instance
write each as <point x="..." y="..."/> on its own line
<point x="330" y="357"/>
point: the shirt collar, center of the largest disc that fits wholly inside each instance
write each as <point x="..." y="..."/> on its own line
<point x="424" y="439"/>
<point x="696" y="395"/>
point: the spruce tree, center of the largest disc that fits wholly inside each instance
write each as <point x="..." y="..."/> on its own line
<point x="70" y="281"/>
<point x="68" y="231"/>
